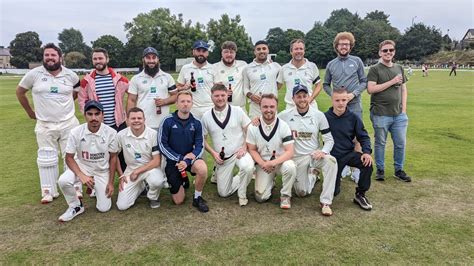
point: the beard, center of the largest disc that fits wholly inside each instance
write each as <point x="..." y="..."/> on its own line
<point x="200" y="59"/>
<point x="98" y="68"/>
<point x="152" y="71"/>
<point x="54" y="67"/>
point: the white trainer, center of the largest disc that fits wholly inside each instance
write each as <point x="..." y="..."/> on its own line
<point x="243" y="201"/>
<point x="285" y="203"/>
<point x="71" y="213"/>
<point x="47" y="198"/>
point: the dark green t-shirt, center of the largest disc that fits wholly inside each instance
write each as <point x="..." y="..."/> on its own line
<point x="389" y="101"/>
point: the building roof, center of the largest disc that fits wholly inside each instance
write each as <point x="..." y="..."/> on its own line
<point x="5" y="52"/>
<point x="470" y="33"/>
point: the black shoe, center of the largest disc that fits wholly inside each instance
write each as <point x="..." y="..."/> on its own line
<point x="380" y="175"/>
<point x="145" y="190"/>
<point x="200" y="204"/>
<point x="362" y="201"/>
<point x="400" y="174"/>
<point x="337" y="190"/>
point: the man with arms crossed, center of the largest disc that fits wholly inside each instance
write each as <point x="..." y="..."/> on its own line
<point x="271" y="146"/>
<point x="140" y="147"/>
<point x="203" y="74"/>
<point x="54" y="89"/>
<point x="227" y="124"/>
<point x="260" y="77"/>
<point x="345" y="126"/>
<point x="347" y="71"/>
<point x="299" y="71"/>
<point x="306" y="122"/>
<point x="180" y="139"/>
<point x="95" y="146"/>
<point x="388" y="110"/>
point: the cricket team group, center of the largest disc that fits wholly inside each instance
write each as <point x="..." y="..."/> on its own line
<point x="130" y="132"/>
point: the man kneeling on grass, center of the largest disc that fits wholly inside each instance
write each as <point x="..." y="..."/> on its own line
<point x="140" y="149"/>
<point x="345" y="125"/>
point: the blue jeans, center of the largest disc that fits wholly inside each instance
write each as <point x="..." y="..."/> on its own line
<point x="397" y="126"/>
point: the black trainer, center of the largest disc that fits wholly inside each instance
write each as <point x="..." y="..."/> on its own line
<point x="380" y="175"/>
<point x="200" y="204"/>
<point x="362" y="201"/>
<point x="400" y="174"/>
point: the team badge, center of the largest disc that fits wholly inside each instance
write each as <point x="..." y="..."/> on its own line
<point x="53" y="90"/>
<point x="44" y="79"/>
<point x="224" y="137"/>
<point x="145" y="82"/>
<point x="290" y="73"/>
<point x="222" y="71"/>
<point x="192" y="127"/>
<point x="297" y="82"/>
<point x="128" y="146"/>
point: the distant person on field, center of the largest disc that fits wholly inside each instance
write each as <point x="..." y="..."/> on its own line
<point x="388" y="107"/>
<point x="454" y="66"/>
<point x="424" y="69"/>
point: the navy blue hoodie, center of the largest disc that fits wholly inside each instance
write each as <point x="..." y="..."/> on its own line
<point x="343" y="129"/>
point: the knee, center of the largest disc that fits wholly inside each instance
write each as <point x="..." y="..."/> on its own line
<point x="64" y="181"/>
<point x="301" y="193"/>
<point x="121" y="206"/>
<point x="201" y="168"/>
<point x="289" y="167"/>
<point x="261" y="197"/>
<point x="223" y="194"/>
<point x="103" y="208"/>
<point x="178" y="201"/>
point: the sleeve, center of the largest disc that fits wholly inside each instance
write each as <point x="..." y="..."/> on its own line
<point x="362" y="136"/>
<point x="204" y="124"/>
<point x="326" y="134"/>
<point x="119" y="142"/>
<point x="27" y="81"/>
<point x="362" y="79"/>
<point x="251" y="135"/>
<point x="317" y="78"/>
<point x="71" y="146"/>
<point x="171" y="84"/>
<point x="113" y="145"/>
<point x="163" y="144"/>
<point x="244" y="118"/>
<point x="154" y="147"/>
<point x="198" y="141"/>
<point x="327" y="80"/>
<point x="83" y="96"/>
<point x="181" y="78"/>
<point x="75" y="81"/>
<point x="246" y="81"/>
<point x="405" y="79"/>
<point x="133" y="87"/>
<point x="280" y="76"/>
<point x="372" y="75"/>
<point x="285" y="134"/>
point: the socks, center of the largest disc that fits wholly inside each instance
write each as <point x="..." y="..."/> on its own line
<point x="197" y="194"/>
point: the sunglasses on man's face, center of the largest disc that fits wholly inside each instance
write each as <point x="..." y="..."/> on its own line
<point x="388" y="50"/>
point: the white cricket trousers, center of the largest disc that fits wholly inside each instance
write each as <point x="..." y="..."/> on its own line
<point x="264" y="181"/>
<point x="227" y="184"/>
<point x="67" y="181"/>
<point x="132" y="190"/>
<point x="304" y="183"/>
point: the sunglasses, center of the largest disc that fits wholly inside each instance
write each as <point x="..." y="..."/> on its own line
<point x="388" y="50"/>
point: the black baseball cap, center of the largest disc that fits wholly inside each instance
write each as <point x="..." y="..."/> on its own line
<point x="150" y="50"/>
<point x="200" y="44"/>
<point x="93" y="104"/>
<point x="299" y="88"/>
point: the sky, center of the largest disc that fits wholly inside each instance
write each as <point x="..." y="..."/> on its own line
<point x="97" y="18"/>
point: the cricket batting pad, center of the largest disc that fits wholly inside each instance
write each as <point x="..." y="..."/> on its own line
<point x="48" y="170"/>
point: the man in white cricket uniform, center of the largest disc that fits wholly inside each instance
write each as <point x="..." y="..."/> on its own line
<point x="306" y="122"/>
<point x="260" y="77"/>
<point x="139" y="144"/>
<point x="54" y="88"/>
<point x="152" y="90"/>
<point x="95" y="146"/>
<point x="299" y="71"/>
<point x="204" y="75"/>
<point x="271" y="146"/>
<point x="229" y="72"/>
<point x="227" y="124"/>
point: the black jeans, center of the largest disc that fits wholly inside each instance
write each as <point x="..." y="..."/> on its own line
<point x="353" y="159"/>
<point x="123" y="165"/>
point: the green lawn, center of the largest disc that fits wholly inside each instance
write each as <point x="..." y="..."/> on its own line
<point x="428" y="221"/>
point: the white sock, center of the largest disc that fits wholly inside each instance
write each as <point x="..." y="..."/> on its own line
<point x="197" y="194"/>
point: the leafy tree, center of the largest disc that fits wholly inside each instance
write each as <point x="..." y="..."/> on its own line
<point x="343" y="20"/>
<point x="114" y="47"/>
<point x="276" y="40"/>
<point x="76" y="60"/>
<point x="371" y="33"/>
<point x="419" y="41"/>
<point x="25" y="48"/>
<point x="377" y="16"/>
<point x="71" y="40"/>
<point x="229" y="29"/>
<point x="319" y="44"/>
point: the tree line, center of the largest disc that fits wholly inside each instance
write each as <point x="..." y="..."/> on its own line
<point x="173" y="36"/>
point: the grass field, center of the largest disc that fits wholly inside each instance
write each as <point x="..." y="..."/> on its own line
<point x="428" y="221"/>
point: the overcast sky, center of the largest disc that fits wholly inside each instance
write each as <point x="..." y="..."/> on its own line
<point x="97" y="18"/>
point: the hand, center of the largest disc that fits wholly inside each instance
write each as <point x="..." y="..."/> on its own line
<point x="186" y="86"/>
<point x="160" y="102"/>
<point x="398" y="79"/>
<point x="255" y="98"/>
<point x="318" y="155"/>
<point x="190" y="156"/>
<point x="217" y="158"/>
<point x="122" y="182"/>
<point x="87" y="180"/>
<point x="268" y="166"/>
<point x="32" y="115"/>
<point x="366" y="159"/>
<point x="109" y="190"/>
<point x="229" y="92"/>
<point x="181" y="165"/>
<point x="134" y="175"/>
<point x="256" y="121"/>
<point x="241" y="152"/>
<point x="351" y="96"/>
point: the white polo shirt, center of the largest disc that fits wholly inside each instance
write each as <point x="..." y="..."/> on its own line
<point x="52" y="95"/>
<point x="305" y="130"/>
<point x="279" y="134"/>
<point x="232" y="75"/>
<point x="261" y="78"/>
<point x="307" y="74"/>
<point x="226" y="128"/>
<point x="148" y="88"/>
<point x="138" y="151"/>
<point x="204" y="77"/>
<point x="92" y="149"/>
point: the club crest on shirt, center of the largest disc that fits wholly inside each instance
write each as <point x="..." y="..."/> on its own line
<point x="297" y="81"/>
<point x="44" y="79"/>
<point x="224" y="137"/>
<point x="290" y="73"/>
<point x="192" y="127"/>
<point x="128" y="146"/>
<point x="144" y="81"/>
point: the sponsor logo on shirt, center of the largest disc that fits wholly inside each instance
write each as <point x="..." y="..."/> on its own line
<point x="192" y="127"/>
<point x="230" y="78"/>
<point x="200" y="80"/>
<point x="137" y="156"/>
<point x="152" y="89"/>
<point x="92" y="156"/>
<point x="174" y="126"/>
<point x="263" y="77"/>
<point x="53" y="90"/>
